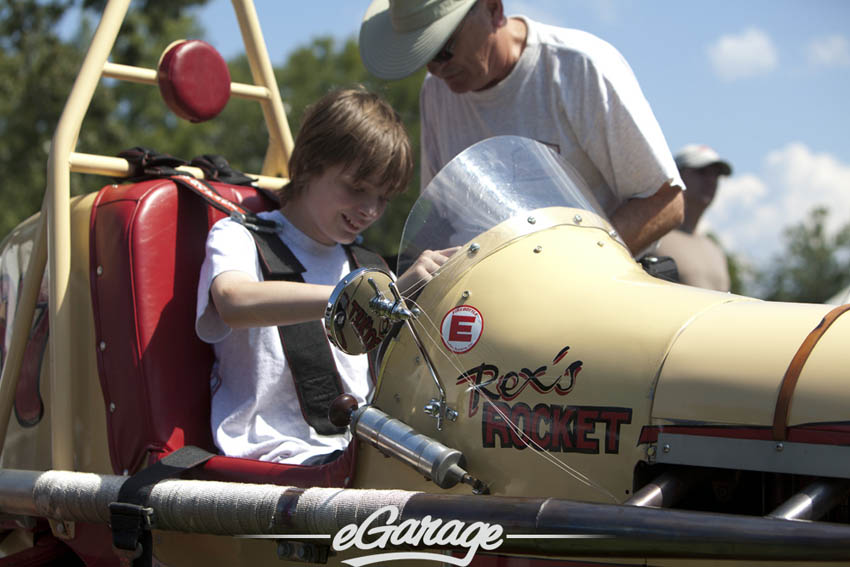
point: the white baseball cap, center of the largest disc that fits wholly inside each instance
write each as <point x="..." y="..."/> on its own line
<point x="398" y="37"/>
<point x="697" y="156"/>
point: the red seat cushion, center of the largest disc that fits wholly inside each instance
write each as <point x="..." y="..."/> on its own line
<point x="193" y="80"/>
<point x="147" y="246"/>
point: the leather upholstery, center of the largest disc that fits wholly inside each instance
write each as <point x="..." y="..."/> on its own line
<point x="147" y="246"/>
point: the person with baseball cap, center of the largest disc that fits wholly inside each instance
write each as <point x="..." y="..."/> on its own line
<point x="492" y="75"/>
<point x="699" y="260"/>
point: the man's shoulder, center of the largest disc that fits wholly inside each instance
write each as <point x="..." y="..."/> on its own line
<point x="570" y="42"/>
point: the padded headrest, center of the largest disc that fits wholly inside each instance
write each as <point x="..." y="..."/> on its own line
<point x="194" y="80"/>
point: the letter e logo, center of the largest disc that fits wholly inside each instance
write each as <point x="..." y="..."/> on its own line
<point x="461" y="328"/>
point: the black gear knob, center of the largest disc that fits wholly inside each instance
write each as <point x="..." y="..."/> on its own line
<point x="340" y="410"/>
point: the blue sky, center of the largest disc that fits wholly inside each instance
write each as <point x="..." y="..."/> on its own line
<point x="765" y="82"/>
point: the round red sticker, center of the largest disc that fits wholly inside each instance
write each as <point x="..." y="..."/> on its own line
<point x="461" y="328"/>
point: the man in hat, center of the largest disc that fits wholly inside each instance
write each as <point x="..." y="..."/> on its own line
<point x="491" y="75"/>
<point x="699" y="260"/>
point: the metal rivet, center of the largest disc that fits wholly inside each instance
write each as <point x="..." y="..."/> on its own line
<point x="397" y="398"/>
<point x="465" y="294"/>
<point x="115" y="186"/>
<point x="102" y="345"/>
<point x="651" y="451"/>
<point x="532" y="220"/>
<point x="538" y="249"/>
<point x="613" y="234"/>
<point x="666" y="448"/>
<point x="577" y="219"/>
<point x="112" y="407"/>
<point x="100" y="270"/>
<point x="60" y="528"/>
<point x="780" y="446"/>
<point x="474" y="247"/>
<point x="346" y="481"/>
<point x="600" y="243"/>
<point x="418" y="360"/>
<point x="125" y="472"/>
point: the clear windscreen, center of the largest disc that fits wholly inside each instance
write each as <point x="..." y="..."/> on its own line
<point x="490" y="182"/>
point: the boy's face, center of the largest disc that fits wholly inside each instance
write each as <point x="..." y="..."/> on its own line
<point x="333" y="208"/>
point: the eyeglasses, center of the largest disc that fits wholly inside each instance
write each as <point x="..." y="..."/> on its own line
<point x="447" y="52"/>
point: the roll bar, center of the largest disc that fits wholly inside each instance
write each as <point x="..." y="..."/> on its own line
<point x="53" y="241"/>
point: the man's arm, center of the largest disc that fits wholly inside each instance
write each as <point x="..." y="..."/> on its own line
<point x="640" y="222"/>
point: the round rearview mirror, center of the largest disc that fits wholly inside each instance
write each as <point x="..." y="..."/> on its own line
<point x="351" y="322"/>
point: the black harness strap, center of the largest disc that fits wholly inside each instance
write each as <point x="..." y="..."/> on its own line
<point x="305" y="345"/>
<point x="131" y="518"/>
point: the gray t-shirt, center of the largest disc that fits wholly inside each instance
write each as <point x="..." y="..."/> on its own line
<point x="571" y="91"/>
<point x="699" y="260"/>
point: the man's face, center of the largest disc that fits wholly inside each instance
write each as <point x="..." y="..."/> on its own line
<point x="701" y="184"/>
<point x="471" y="45"/>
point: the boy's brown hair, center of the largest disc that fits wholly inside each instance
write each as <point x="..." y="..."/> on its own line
<point x="351" y="127"/>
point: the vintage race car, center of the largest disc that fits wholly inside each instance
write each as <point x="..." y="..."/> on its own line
<point x="541" y="401"/>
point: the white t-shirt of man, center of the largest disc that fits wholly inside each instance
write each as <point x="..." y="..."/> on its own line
<point x="255" y="412"/>
<point x="571" y="91"/>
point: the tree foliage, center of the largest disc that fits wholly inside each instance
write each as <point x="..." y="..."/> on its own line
<point x="39" y="68"/>
<point x="42" y="66"/>
<point x="814" y="266"/>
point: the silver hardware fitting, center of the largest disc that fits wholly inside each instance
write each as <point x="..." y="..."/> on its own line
<point x="394" y="309"/>
<point x="538" y="249"/>
<point x="577" y="219"/>
<point x="650" y="453"/>
<point x="474" y="247"/>
<point x="440" y="410"/>
<point x="532" y="220"/>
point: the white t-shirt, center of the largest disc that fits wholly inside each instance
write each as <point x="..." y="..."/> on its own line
<point x="255" y="410"/>
<point x="571" y="91"/>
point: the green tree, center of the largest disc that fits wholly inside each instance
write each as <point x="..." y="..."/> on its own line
<point x="42" y="67"/>
<point x="814" y="266"/>
<point x="36" y="67"/>
<point x="39" y="68"/>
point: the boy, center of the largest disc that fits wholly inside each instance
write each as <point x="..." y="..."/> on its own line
<point x="350" y="157"/>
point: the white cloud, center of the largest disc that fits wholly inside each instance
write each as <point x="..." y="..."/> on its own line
<point x="744" y="55"/>
<point x="751" y="211"/>
<point x="829" y="51"/>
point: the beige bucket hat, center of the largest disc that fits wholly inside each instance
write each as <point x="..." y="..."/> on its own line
<point x="398" y="37"/>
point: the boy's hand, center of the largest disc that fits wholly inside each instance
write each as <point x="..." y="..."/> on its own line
<point x="420" y="272"/>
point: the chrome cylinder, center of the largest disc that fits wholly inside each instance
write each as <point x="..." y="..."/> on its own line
<point x="392" y="437"/>
<point x="813" y="501"/>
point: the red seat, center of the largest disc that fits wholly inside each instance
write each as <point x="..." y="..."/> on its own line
<point x="147" y="246"/>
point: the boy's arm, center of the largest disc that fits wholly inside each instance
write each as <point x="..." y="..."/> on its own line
<point x="244" y="302"/>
